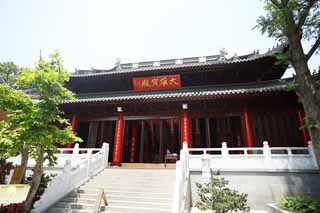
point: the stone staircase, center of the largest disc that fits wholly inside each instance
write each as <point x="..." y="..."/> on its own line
<point x="126" y="190"/>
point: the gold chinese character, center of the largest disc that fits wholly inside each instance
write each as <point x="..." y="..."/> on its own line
<point x="155" y="82"/>
<point x="145" y="83"/>
<point x="173" y="81"/>
<point x="163" y="81"/>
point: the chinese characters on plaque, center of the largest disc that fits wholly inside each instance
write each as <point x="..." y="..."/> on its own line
<point x="157" y="82"/>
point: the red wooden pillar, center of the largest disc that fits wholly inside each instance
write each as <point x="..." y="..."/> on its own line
<point x="185" y="127"/>
<point x="74" y="123"/>
<point x="133" y="141"/>
<point x="305" y="132"/>
<point x="117" y="149"/>
<point x="247" y="128"/>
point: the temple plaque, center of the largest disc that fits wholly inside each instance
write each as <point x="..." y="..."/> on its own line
<point x="157" y="82"/>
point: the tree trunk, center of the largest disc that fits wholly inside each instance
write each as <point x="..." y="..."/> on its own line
<point x="36" y="178"/>
<point x="24" y="163"/>
<point x="307" y="91"/>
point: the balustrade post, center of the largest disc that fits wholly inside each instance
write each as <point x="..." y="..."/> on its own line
<point x="312" y="153"/>
<point x="67" y="171"/>
<point x="205" y="168"/>
<point x="185" y="156"/>
<point x="105" y="149"/>
<point x="178" y="188"/>
<point x="89" y="162"/>
<point x="75" y="153"/>
<point x="267" y="154"/>
<point x="224" y="150"/>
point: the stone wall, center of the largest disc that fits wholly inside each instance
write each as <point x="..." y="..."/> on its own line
<point x="266" y="187"/>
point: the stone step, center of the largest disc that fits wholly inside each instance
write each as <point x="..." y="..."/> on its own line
<point x="95" y="184"/>
<point x="136" y="198"/>
<point x="126" y="190"/>
<point x="79" y="200"/>
<point x="138" y="189"/>
<point x="81" y="206"/>
<point x="138" y="194"/>
<point x="135" y="172"/>
<point x="127" y="209"/>
<point x="88" y="190"/>
<point x="136" y="179"/>
<point x="63" y="210"/>
<point x="137" y="204"/>
<point x="82" y="195"/>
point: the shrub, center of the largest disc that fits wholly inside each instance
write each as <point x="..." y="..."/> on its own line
<point x="300" y="204"/>
<point x="215" y="195"/>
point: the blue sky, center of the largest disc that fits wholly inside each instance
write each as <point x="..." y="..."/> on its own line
<point x="94" y="33"/>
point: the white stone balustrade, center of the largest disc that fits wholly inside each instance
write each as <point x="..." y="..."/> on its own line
<point x="246" y="159"/>
<point x="253" y="158"/>
<point x="75" y="154"/>
<point x="80" y="166"/>
<point x="182" y="180"/>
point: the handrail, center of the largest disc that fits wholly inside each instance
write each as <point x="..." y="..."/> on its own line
<point x="73" y="175"/>
<point x="182" y="180"/>
<point x="225" y="150"/>
<point x="270" y="158"/>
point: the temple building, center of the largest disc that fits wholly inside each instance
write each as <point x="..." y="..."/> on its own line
<point x="145" y="110"/>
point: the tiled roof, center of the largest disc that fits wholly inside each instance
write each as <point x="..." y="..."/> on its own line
<point x="211" y="92"/>
<point x="194" y="62"/>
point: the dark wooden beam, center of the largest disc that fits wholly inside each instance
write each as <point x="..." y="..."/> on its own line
<point x="161" y="145"/>
<point x="141" y="143"/>
<point x="196" y="132"/>
<point x="208" y="133"/>
<point x="172" y="136"/>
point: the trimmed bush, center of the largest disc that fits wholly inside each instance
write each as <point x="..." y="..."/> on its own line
<point x="215" y="195"/>
<point x="300" y="204"/>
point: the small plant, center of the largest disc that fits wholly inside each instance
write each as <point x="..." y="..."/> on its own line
<point x="300" y="204"/>
<point x="215" y="195"/>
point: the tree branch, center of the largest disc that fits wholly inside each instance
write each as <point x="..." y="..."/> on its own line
<point x="284" y="3"/>
<point x="304" y="14"/>
<point x="313" y="48"/>
<point x="276" y="3"/>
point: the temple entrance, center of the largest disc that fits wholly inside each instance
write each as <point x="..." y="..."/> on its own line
<point x="210" y="132"/>
<point x="147" y="141"/>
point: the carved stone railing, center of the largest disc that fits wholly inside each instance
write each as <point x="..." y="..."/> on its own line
<point x="254" y="158"/>
<point x="182" y="181"/>
<point x="80" y="166"/>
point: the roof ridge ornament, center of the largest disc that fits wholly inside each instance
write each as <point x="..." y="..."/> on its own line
<point x="223" y="53"/>
<point x="235" y="56"/>
<point x="118" y="64"/>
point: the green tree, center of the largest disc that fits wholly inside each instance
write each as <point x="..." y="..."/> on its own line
<point x="14" y="130"/>
<point x="8" y="73"/>
<point x="296" y="21"/>
<point x="215" y="195"/>
<point x="37" y="125"/>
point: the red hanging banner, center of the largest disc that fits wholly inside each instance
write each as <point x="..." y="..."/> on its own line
<point x="157" y="82"/>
